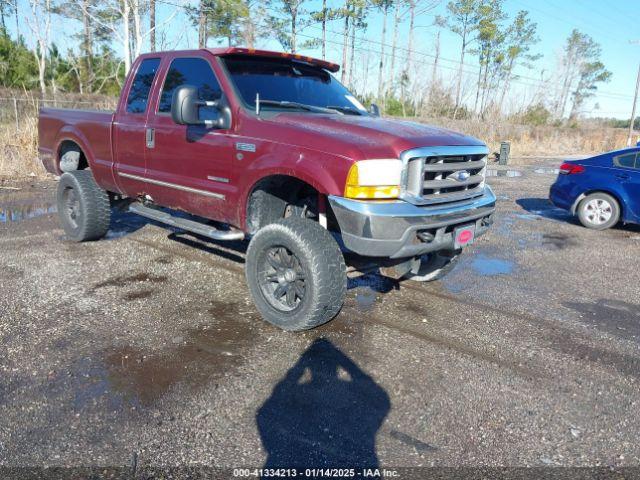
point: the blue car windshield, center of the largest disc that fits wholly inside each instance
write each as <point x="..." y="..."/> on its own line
<point x="283" y="80"/>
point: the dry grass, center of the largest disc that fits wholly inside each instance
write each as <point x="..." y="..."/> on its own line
<point x="539" y="141"/>
<point x="19" y="150"/>
<point x="19" y="139"/>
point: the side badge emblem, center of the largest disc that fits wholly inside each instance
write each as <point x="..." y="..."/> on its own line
<point x="246" y="147"/>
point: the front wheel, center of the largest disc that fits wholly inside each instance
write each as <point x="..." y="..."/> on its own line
<point x="598" y="211"/>
<point x="433" y="266"/>
<point x="296" y="274"/>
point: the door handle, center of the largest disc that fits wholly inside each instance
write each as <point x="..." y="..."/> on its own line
<point x="151" y="137"/>
<point x="622" y="176"/>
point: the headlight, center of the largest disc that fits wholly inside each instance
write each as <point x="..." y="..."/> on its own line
<point x="374" y="179"/>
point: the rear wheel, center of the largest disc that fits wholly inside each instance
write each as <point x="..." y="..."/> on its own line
<point x="296" y="274"/>
<point x="434" y="266"/>
<point x="598" y="211"/>
<point x="83" y="207"/>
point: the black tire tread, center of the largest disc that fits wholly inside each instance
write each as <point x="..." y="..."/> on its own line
<point x="94" y="201"/>
<point x="327" y="265"/>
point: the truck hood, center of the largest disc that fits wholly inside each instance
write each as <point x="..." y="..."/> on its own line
<point x="362" y="137"/>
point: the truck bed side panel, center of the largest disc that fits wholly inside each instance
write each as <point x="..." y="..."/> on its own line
<point x="90" y="129"/>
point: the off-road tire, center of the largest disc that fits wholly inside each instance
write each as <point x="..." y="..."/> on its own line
<point x="321" y="264"/>
<point x="583" y="213"/>
<point x="92" y="215"/>
<point x="433" y="266"/>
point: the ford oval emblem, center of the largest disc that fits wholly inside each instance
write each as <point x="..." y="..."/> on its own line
<point x="459" y="176"/>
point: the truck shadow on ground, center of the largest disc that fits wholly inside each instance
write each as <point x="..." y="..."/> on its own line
<point x="544" y="208"/>
<point x="325" y="412"/>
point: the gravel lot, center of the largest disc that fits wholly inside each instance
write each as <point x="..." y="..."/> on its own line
<point x="144" y="350"/>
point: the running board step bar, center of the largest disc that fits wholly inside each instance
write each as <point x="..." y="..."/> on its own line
<point x="188" y="225"/>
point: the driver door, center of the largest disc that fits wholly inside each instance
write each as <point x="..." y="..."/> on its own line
<point x="189" y="167"/>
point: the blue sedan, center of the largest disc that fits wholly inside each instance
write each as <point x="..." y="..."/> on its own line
<point x="601" y="190"/>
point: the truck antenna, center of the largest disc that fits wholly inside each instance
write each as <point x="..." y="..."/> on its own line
<point x="258" y="103"/>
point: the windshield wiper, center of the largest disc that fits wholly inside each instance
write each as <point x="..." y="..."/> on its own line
<point x="300" y="106"/>
<point x="349" y="110"/>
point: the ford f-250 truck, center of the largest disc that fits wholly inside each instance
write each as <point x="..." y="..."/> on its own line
<point x="269" y="146"/>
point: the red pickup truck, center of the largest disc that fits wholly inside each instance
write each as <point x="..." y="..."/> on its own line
<point x="271" y="147"/>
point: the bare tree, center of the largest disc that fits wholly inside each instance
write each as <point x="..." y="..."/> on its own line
<point x="40" y="25"/>
<point x="15" y="12"/>
<point x="118" y="17"/>
<point x="416" y="8"/>
<point x="580" y="70"/>
<point x="152" y="25"/>
<point x="397" y="18"/>
<point x="383" y="6"/>
<point x="521" y="36"/>
<point x="202" y="25"/>
<point x="463" y="21"/>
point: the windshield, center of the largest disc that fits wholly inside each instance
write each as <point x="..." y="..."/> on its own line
<point x="282" y="80"/>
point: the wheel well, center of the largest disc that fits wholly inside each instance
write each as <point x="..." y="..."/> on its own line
<point x="278" y="196"/>
<point x="71" y="146"/>
<point x="611" y="194"/>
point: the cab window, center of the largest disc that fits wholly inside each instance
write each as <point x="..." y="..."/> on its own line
<point x="191" y="71"/>
<point x="626" y="161"/>
<point x="141" y="85"/>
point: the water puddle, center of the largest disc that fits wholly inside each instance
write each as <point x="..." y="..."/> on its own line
<point x="528" y="216"/>
<point x="558" y="241"/>
<point x="365" y="298"/>
<point x="547" y="171"/>
<point x="615" y="317"/>
<point x="133" y="279"/>
<point x="19" y="213"/>
<point x="464" y="276"/>
<point x="192" y="359"/>
<point x="490" y="266"/>
<point x="503" y="173"/>
<point x="366" y="287"/>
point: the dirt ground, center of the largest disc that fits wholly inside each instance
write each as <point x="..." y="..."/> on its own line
<point x="144" y="350"/>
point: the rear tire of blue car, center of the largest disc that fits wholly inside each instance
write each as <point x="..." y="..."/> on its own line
<point x="598" y="211"/>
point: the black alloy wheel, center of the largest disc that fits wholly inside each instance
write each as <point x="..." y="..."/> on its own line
<point x="282" y="279"/>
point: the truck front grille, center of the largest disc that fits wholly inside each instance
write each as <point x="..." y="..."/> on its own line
<point x="445" y="177"/>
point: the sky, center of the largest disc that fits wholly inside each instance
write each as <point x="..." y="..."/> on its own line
<point x="613" y="24"/>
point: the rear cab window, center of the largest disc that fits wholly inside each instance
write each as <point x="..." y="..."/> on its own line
<point x="193" y="71"/>
<point x="138" y="97"/>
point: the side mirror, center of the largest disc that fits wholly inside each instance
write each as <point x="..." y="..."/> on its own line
<point x="185" y="109"/>
<point x="184" y="106"/>
<point x="374" y="110"/>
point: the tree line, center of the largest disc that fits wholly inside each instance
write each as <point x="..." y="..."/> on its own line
<point x="399" y="65"/>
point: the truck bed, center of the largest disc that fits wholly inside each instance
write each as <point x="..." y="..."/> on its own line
<point x="91" y="127"/>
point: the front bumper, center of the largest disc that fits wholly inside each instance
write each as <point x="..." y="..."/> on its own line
<point x="398" y="229"/>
